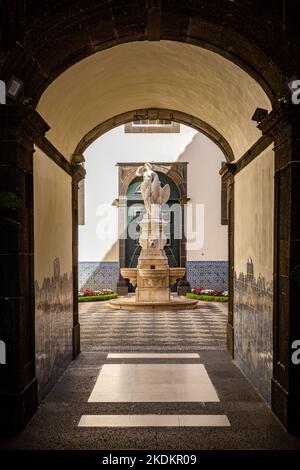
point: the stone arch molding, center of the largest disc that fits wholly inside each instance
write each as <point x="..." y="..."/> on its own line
<point x="49" y="45"/>
<point x="71" y="34"/>
<point x="169" y="114"/>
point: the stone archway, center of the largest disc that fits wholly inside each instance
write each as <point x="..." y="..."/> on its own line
<point x="207" y="28"/>
<point x="169" y="114"/>
<point x="97" y="27"/>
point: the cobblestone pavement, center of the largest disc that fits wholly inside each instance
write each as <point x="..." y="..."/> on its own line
<point x="103" y="329"/>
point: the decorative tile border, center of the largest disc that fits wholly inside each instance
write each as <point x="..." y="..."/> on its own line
<point x="208" y="274"/>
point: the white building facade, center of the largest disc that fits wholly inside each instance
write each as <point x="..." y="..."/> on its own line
<point x="205" y="225"/>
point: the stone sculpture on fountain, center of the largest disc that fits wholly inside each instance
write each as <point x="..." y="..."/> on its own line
<point x="153" y="276"/>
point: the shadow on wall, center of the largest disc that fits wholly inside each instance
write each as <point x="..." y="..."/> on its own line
<point x="253" y="328"/>
<point x="53" y="326"/>
<point x="189" y="149"/>
<point x="207" y="266"/>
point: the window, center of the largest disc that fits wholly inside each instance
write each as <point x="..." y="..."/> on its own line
<point x="152" y="122"/>
<point x="151" y="126"/>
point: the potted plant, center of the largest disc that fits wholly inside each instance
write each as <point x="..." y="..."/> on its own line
<point x="183" y="287"/>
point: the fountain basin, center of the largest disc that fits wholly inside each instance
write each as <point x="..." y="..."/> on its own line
<point x="130" y="274"/>
<point x="153" y="275"/>
<point x="153" y="293"/>
<point x="148" y="273"/>
<point x="175" y="303"/>
<point x="175" y="273"/>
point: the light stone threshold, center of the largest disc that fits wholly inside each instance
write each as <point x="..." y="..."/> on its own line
<point x="121" y="421"/>
<point x="153" y="356"/>
<point x="104" y="348"/>
<point x="153" y="383"/>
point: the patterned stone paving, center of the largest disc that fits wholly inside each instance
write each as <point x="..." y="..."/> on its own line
<point x="103" y="329"/>
<point x="68" y="419"/>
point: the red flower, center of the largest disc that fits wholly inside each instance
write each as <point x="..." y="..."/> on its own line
<point x="89" y="292"/>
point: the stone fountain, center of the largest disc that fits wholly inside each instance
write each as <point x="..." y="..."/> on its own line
<point x="152" y="276"/>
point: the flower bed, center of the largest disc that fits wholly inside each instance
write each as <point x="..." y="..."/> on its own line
<point x="208" y="295"/>
<point x="89" y="295"/>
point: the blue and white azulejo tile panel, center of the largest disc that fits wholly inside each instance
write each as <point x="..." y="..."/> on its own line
<point x="98" y="275"/>
<point x="208" y="274"/>
<point x="105" y="274"/>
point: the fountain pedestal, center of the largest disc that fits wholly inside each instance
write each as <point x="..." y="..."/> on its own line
<point x="153" y="269"/>
<point x="152" y="276"/>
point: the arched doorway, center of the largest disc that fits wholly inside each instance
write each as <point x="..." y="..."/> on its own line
<point x="246" y="142"/>
<point x="223" y="111"/>
<point x="135" y="212"/>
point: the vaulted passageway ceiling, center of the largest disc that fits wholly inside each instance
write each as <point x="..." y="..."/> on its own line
<point x="163" y="74"/>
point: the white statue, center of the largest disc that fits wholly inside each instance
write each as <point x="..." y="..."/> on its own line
<point x="152" y="191"/>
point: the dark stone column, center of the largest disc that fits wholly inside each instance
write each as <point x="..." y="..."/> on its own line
<point x="227" y="173"/>
<point x="182" y="254"/>
<point x="283" y="126"/>
<point x="122" y="285"/>
<point x="78" y="173"/>
<point x="178" y="174"/>
<point x="19" y="126"/>
<point x="183" y="286"/>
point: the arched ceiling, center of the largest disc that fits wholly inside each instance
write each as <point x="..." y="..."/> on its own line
<point x="163" y="74"/>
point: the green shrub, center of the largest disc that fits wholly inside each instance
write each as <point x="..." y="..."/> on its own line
<point x="211" y="298"/>
<point x="95" y="298"/>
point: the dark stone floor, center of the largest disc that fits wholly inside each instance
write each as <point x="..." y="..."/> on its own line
<point x="55" y="425"/>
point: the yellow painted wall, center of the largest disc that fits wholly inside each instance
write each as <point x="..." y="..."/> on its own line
<point x="253" y="294"/>
<point x="53" y="271"/>
<point x="52" y="217"/>
<point x="254" y="215"/>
